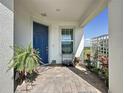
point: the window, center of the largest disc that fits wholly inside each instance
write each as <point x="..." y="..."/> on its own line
<point x="67" y="41"/>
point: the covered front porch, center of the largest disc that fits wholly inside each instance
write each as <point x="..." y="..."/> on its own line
<point x="55" y="27"/>
<point x="16" y="27"/>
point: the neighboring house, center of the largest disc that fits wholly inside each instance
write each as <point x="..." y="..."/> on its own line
<point x="55" y="27"/>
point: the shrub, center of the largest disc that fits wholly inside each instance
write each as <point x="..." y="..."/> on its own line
<point x="25" y="61"/>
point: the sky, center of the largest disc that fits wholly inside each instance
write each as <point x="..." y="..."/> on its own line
<point x="97" y="26"/>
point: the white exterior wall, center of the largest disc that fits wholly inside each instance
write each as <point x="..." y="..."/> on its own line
<point x="6" y="40"/>
<point x="24" y="32"/>
<point x="115" y="46"/>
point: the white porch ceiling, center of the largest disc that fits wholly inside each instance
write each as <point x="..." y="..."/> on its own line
<point x="68" y="10"/>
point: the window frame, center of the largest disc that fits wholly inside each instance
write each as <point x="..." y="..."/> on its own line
<point x="72" y="40"/>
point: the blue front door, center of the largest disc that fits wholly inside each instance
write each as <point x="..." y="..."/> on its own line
<point x="40" y="40"/>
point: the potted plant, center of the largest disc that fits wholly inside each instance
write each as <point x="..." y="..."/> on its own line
<point x="25" y="61"/>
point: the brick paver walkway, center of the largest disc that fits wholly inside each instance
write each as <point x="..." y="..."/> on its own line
<point x="65" y="80"/>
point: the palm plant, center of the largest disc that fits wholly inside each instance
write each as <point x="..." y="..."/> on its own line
<point x="25" y="60"/>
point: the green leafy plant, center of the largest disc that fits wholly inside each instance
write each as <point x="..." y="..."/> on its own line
<point x="25" y="60"/>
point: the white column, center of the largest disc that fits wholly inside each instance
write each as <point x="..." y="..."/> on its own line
<point x="80" y="43"/>
<point x="115" y="46"/>
<point x="6" y="40"/>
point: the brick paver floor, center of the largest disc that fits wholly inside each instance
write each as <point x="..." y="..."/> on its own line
<point x="58" y="79"/>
